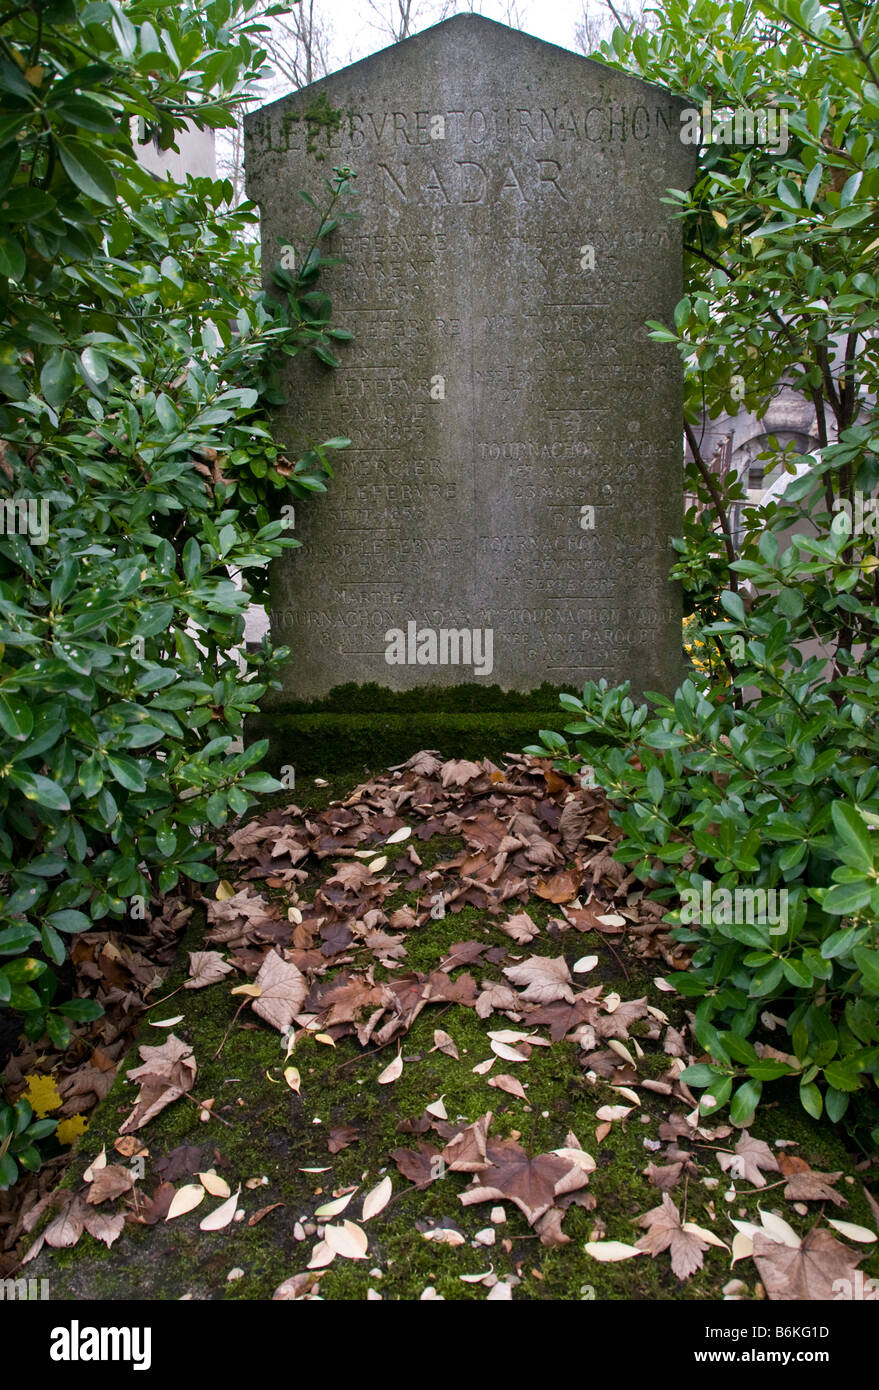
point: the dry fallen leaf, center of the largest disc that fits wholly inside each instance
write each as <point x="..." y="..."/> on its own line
<point x="509" y="1054"/>
<point x="443" y="1043"/>
<point x="610" y="1251"/>
<point x="810" y="1272"/>
<point x="282" y="991"/>
<point x="750" y="1156"/>
<point x="510" y="1084"/>
<point x="665" y="1232"/>
<point x="185" y="1199"/>
<point x="814" y="1187"/>
<point x="347" y="1240"/>
<point x="336" y="1207"/>
<point x="108" y="1183"/>
<point x="221" y="1216"/>
<point x="861" y="1234"/>
<point x="205" y="968"/>
<point x="376" y="1200"/>
<point x="167" y="1073"/>
<point x="104" y="1227"/>
<point x="545" y="979"/>
<point x="392" y="1072"/>
<point x="214" y="1184"/>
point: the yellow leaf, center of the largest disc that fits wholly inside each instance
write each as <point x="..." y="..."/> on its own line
<point x="34" y="75"/>
<point x="69" y="1130"/>
<point x="292" y="1078"/>
<point x="224" y="890"/>
<point x="325" y="1039"/>
<point x="42" y="1094"/>
<point x="720" y="219"/>
<point x="252" y="991"/>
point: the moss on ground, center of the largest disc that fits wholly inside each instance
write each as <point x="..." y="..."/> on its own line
<point x="262" y="1129"/>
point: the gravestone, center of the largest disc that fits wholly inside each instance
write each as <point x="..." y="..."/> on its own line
<point x="515" y="471"/>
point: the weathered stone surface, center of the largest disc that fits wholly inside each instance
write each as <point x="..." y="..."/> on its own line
<point x="512" y="243"/>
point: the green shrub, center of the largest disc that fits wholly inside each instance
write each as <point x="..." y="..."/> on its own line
<point x="780" y="795"/>
<point x="138" y="475"/>
<point x="759" y="776"/>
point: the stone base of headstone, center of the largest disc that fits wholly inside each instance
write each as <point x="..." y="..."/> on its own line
<point x="364" y="727"/>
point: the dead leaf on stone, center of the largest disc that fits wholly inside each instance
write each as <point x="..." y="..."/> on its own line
<point x="520" y="927"/>
<point x="377" y="1199"/>
<point x="167" y="1073"/>
<point x="809" y="1272"/>
<point x="110" y="1182"/>
<point x="545" y="979"/>
<point x="104" y="1227"/>
<point x="66" y="1229"/>
<point x="262" y="1213"/>
<point x="341" y="1137"/>
<point x="510" y="1084"/>
<point x="392" y="1072"/>
<point x="814" y="1187"/>
<point x="422" y="1165"/>
<point x="283" y="989"/>
<point x="205" y="968"/>
<point x="665" y="1232"/>
<point x="466" y="1152"/>
<point x="749" y="1158"/>
<point x="532" y="1183"/>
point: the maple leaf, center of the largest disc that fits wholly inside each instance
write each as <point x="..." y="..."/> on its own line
<point x="180" y="1162"/>
<point x="749" y="1157"/>
<point x="665" y="1232"/>
<point x="339" y="1139"/>
<point x="545" y="979"/>
<point x="532" y="1183"/>
<point x="549" y="1228"/>
<point x="282" y="991"/>
<point x="168" y="1072"/>
<point x="205" y="968"/>
<point x="561" y="887"/>
<point x="426" y="763"/>
<point x="104" y="1227"/>
<point x="814" y="1187"/>
<point x="421" y="1166"/>
<point x="352" y="874"/>
<point x="67" y="1227"/>
<point x="458" y="772"/>
<point x="496" y="996"/>
<point x="69" y="1131"/>
<point x="808" y="1272"/>
<point x="466" y="1152"/>
<point x="664" y="1177"/>
<point x="42" y="1094"/>
<point x="109" y="1182"/>
<point x="462" y="953"/>
<point x="574" y="823"/>
<point x="520" y="927"/>
<point x="616" y="1024"/>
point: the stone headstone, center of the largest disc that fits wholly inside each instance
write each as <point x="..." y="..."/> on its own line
<point x="515" y="472"/>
